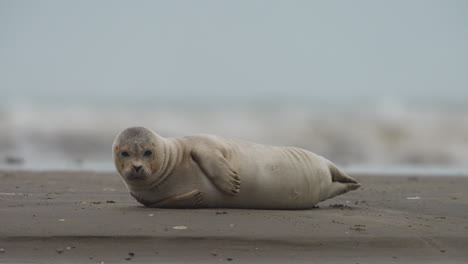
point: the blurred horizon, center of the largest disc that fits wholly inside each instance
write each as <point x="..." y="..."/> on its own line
<point x="367" y="84"/>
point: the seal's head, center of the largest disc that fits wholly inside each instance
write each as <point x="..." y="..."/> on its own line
<point x="138" y="155"/>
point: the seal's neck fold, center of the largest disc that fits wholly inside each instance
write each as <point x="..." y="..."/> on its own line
<point x="170" y="159"/>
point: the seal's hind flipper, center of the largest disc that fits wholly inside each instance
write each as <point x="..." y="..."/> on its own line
<point x="338" y="188"/>
<point x="218" y="169"/>
<point x="338" y="175"/>
<point x="341" y="182"/>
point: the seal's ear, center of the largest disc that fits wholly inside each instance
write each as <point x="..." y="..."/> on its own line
<point x="215" y="166"/>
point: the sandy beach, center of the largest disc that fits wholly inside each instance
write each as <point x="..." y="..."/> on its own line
<point x="86" y="217"/>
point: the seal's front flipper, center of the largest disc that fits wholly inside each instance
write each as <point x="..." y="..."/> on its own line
<point x="191" y="199"/>
<point x="217" y="168"/>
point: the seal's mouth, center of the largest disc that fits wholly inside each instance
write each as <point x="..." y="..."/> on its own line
<point x="137" y="176"/>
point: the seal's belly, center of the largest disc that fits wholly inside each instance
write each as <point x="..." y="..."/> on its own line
<point x="276" y="177"/>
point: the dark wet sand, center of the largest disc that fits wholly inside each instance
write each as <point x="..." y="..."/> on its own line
<point x="82" y="217"/>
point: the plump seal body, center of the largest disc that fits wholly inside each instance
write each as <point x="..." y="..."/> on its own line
<point x="211" y="171"/>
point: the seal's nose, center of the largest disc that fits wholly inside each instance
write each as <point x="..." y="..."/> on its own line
<point x="137" y="168"/>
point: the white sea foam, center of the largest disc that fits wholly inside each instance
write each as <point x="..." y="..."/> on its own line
<point x="388" y="136"/>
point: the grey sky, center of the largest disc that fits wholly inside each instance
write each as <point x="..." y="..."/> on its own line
<point x="233" y="51"/>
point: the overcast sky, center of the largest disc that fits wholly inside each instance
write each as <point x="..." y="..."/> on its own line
<point x="233" y="51"/>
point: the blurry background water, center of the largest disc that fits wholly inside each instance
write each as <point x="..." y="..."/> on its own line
<point x="376" y="86"/>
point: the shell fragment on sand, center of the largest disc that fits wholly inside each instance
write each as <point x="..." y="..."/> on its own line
<point x="180" y="227"/>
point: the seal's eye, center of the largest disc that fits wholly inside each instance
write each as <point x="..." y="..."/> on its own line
<point x="125" y="154"/>
<point x="147" y="153"/>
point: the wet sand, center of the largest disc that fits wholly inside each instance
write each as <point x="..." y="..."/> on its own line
<point x="85" y="217"/>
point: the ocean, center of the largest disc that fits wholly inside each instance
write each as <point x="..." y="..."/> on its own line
<point x="383" y="138"/>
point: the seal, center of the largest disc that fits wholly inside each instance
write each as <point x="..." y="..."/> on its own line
<point x="207" y="171"/>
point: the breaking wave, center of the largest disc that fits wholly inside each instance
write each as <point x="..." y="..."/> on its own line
<point x="384" y="136"/>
